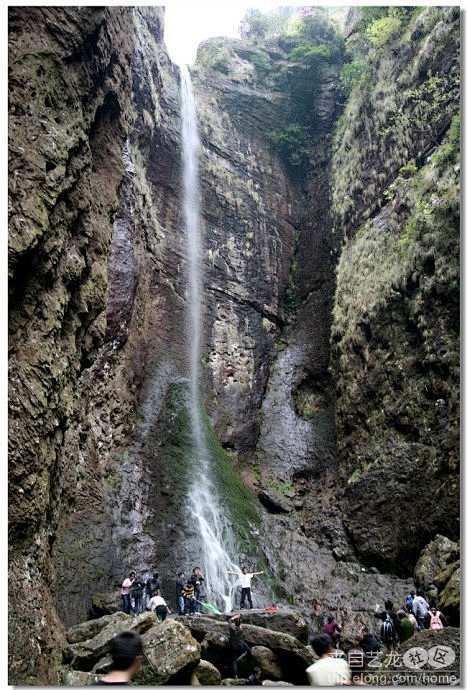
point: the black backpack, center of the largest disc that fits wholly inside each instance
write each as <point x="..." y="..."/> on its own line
<point x="388" y="631"/>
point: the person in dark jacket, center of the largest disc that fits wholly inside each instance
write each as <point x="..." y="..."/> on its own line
<point x="179" y="585"/>
<point x="369" y="642"/>
<point x="238" y="644"/>
<point x="254" y="678"/>
<point x="196" y="580"/>
<point x="382" y="615"/>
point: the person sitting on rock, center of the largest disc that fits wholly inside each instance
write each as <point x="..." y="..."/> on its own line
<point x="245" y="581"/>
<point x="159" y="606"/>
<point x="333" y="629"/>
<point x="254" y="678"/>
<point x="329" y="670"/>
<point x="238" y="644"/>
<point x="126" y="649"/>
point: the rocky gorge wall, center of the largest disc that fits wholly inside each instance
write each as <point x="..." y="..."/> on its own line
<point x="68" y="117"/>
<point x="395" y="329"/>
<point x="98" y="336"/>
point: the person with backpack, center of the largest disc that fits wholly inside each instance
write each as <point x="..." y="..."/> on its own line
<point x="137" y="590"/>
<point x="390" y="627"/>
<point x="409" y="600"/>
<point x="434" y="619"/>
<point x="420" y="608"/>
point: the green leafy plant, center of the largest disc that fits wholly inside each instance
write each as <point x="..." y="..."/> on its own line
<point x="310" y="56"/>
<point x="294" y="142"/>
<point x="351" y="76"/>
<point x="384" y="30"/>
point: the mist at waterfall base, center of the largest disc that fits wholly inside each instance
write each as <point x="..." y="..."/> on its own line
<point x="211" y="523"/>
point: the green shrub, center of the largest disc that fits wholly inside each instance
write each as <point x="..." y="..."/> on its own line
<point x="310" y="56"/>
<point x="293" y="141"/>
<point x="352" y="74"/>
<point x="383" y="30"/>
<point x="408" y="170"/>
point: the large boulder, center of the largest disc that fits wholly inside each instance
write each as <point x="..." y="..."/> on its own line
<point x="268" y="661"/>
<point x="295" y="656"/>
<point x="274" y="501"/>
<point x="104" y="603"/>
<point x="89" y="629"/>
<point x="274" y="682"/>
<point x="283" y="620"/>
<point x="84" y="654"/>
<point x="77" y="679"/>
<point x="215" y="648"/>
<point x="205" y="674"/>
<point x="450" y="599"/>
<point x="429" y="657"/>
<point x="434" y="557"/>
<point x="172" y="654"/>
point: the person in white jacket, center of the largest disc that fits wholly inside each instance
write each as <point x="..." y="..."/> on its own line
<point x="245" y="581"/>
<point x="159" y="606"/>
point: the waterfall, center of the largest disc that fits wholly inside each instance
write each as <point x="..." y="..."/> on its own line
<point x="211" y="524"/>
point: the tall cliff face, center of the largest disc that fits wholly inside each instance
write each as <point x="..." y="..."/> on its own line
<point x="98" y="302"/>
<point x="68" y="115"/>
<point x="396" y="314"/>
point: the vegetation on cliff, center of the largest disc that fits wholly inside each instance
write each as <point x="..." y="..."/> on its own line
<point x="396" y="316"/>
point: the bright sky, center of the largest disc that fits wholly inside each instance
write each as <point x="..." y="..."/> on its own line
<point x="186" y="24"/>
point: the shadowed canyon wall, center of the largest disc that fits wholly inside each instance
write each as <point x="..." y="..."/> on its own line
<point x="330" y="317"/>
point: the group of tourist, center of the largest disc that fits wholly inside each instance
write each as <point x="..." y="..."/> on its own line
<point x="396" y="627"/>
<point x="331" y="668"/>
<point x="137" y="595"/>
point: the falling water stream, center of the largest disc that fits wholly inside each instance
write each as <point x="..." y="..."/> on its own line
<point x="215" y="534"/>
